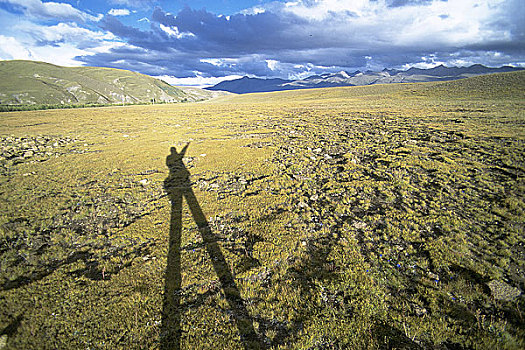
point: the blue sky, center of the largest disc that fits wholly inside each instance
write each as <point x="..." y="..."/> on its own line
<point x="202" y="42"/>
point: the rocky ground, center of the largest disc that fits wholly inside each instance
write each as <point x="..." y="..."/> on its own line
<point x="17" y="150"/>
<point x="418" y="203"/>
<point x="333" y="225"/>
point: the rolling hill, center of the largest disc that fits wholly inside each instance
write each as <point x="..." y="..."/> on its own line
<point x="30" y="83"/>
<point x="342" y="78"/>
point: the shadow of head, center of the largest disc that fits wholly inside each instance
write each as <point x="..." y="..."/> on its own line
<point x="179" y="175"/>
<point x="175" y="158"/>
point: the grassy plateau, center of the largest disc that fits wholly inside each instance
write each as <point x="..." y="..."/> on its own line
<point x="377" y="217"/>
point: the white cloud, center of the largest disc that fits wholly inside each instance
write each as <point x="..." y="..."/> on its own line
<point x="323" y="9"/>
<point x="59" y="44"/>
<point x="215" y="61"/>
<point x="11" y="49"/>
<point x="252" y="11"/>
<point x="196" y="81"/>
<point x="174" y="31"/>
<point x="64" y="32"/>
<point x="119" y="12"/>
<point x="294" y="38"/>
<point x="362" y="22"/>
<point x="54" y="10"/>
<point x="272" y="64"/>
<point x="62" y="55"/>
<point x="452" y="23"/>
<point x="65" y="54"/>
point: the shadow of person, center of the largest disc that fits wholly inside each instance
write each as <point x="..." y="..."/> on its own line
<point x="178" y="185"/>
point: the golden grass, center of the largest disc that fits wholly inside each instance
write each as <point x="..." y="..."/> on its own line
<point x="367" y="217"/>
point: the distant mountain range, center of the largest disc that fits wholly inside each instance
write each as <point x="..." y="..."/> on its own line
<point x="31" y="83"/>
<point x="413" y="75"/>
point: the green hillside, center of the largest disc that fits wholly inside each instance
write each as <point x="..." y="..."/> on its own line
<point x="35" y="83"/>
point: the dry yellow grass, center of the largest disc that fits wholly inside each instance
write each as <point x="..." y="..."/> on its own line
<point x="370" y="217"/>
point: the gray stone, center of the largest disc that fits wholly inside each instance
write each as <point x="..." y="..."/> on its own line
<point x="503" y="291"/>
<point x="433" y="276"/>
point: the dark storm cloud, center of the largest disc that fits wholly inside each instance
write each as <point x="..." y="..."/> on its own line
<point x="282" y="41"/>
<point x="203" y="35"/>
<point x="112" y="24"/>
<point x="240" y="33"/>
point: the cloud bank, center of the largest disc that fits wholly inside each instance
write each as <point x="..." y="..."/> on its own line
<point x="306" y="37"/>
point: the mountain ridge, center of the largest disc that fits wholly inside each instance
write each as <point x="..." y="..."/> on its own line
<point x="358" y="78"/>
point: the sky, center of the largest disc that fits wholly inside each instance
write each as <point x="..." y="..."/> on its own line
<point x="202" y="42"/>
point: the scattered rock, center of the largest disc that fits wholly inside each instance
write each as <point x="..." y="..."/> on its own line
<point x="3" y="341"/>
<point x="259" y="144"/>
<point x="433" y="276"/>
<point x="359" y="225"/>
<point x="302" y="205"/>
<point x="189" y="162"/>
<point x="17" y="150"/>
<point x="503" y="291"/>
<point x="419" y="310"/>
<point x="263" y="276"/>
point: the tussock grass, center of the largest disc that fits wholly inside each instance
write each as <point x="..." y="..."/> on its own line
<point x="370" y="217"/>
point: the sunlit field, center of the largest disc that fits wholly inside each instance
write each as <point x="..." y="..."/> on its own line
<point x="377" y="217"/>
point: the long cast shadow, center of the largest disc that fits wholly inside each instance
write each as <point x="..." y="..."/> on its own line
<point x="178" y="185"/>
